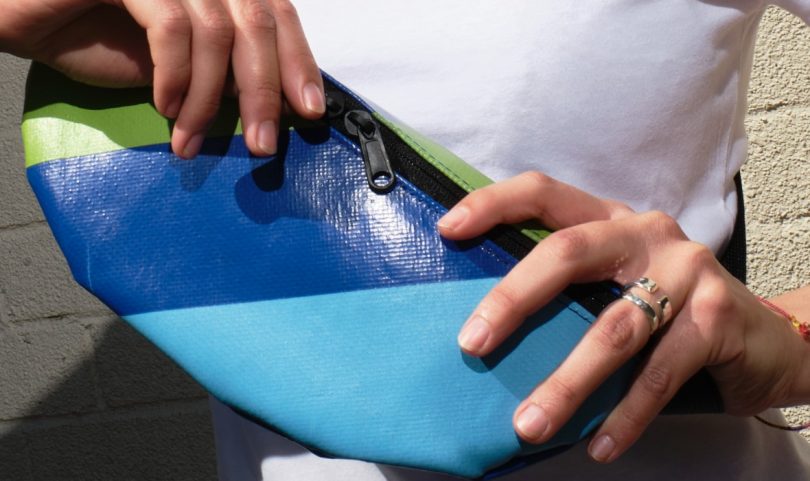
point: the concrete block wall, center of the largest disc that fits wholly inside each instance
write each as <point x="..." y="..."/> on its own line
<point x="777" y="174"/>
<point x="83" y="397"/>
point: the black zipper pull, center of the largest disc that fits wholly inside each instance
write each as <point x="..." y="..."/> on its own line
<point x="334" y="105"/>
<point x="380" y="175"/>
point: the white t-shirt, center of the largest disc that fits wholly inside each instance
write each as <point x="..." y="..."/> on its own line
<point x="641" y="101"/>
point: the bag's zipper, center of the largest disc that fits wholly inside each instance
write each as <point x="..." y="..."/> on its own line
<point x="379" y="173"/>
<point x="387" y="156"/>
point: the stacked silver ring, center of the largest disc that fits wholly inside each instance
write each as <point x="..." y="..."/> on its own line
<point x="659" y="315"/>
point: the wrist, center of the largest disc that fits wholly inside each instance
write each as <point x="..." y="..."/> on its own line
<point x="799" y="343"/>
<point x="801" y="387"/>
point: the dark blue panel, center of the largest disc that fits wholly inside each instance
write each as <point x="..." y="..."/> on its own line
<point x="227" y="227"/>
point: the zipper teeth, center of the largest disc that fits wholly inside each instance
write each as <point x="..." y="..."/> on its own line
<point x="594" y="297"/>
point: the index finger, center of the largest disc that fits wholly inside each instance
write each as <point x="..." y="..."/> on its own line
<point x="271" y="57"/>
<point x="530" y="195"/>
<point x="577" y="253"/>
<point x="256" y="73"/>
<point x="301" y="79"/>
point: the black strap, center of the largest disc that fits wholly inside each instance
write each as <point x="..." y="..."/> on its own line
<point x="733" y="259"/>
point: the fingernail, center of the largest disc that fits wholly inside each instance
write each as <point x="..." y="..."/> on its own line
<point x="474" y="334"/>
<point x="601" y="449"/>
<point x="313" y="98"/>
<point x="267" y="137"/>
<point x="532" y="422"/>
<point x="193" y="146"/>
<point x="173" y="109"/>
<point x="453" y="219"/>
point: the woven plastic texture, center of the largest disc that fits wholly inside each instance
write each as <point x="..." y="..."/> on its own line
<point x="305" y="300"/>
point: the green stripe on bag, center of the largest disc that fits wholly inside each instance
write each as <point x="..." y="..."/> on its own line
<point x="96" y="120"/>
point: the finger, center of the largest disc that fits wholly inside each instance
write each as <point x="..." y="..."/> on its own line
<point x="530" y="195"/>
<point x="700" y="336"/>
<point x="619" y="333"/>
<point x="210" y="53"/>
<point x="615" y="249"/>
<point x="168" y="30"/>
<point x="300" y="77"/>
<point x="119" y="58"/>
<point x="256" y="72"/>
<point x="676" y="358"/>
<point x="577" y="253"/>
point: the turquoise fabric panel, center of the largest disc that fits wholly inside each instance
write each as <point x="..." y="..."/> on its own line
<point x="307" y="348"/>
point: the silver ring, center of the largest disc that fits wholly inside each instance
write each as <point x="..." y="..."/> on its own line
<point x="645" y="306"/>
<point x="645" y="283"/>
<point x="658" y="318"/>
<point x="665" y="309"/>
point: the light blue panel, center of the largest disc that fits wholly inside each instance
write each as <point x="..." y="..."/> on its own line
<point x="313" y="367"/>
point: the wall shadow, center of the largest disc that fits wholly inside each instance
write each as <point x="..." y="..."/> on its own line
<point x="153" y="424"/>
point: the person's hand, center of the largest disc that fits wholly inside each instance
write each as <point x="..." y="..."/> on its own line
<point x="186" y="49"/>
<point x="752" y="353"/>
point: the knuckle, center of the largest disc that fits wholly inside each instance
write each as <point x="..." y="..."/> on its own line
<point x="619" y="207"/>
<point x="540" y="183"/>
<point x="217" y="26"/>
<point x="257" y="16"/>
<point x="713" y="301"/>
<point x="698" y="257"/>
<point x="209" y="107"/>
<point x="560" y="393"/>
<point x="503" y="299"/>
<point x="267" y="91"/>
<point x="284" y="9"/>
<point x="663" y="225"/>
<point x="655" y="381"/>
<point x="540" y="180"/>
<point x="616" y="333"/>
<point x="479" y="200"/>
<point x="632" y="420"/>
<point x="204" y="111"/>
<point x="567" y="245"/>
<point x="174" y="21"/>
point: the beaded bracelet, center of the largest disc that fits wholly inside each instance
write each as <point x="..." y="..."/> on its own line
<point x="803" y="329"/>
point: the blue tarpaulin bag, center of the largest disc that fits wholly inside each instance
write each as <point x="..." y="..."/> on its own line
<point x="309" y="291"/>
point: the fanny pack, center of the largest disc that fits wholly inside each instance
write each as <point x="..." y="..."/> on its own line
<point x="309" y="291"/>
